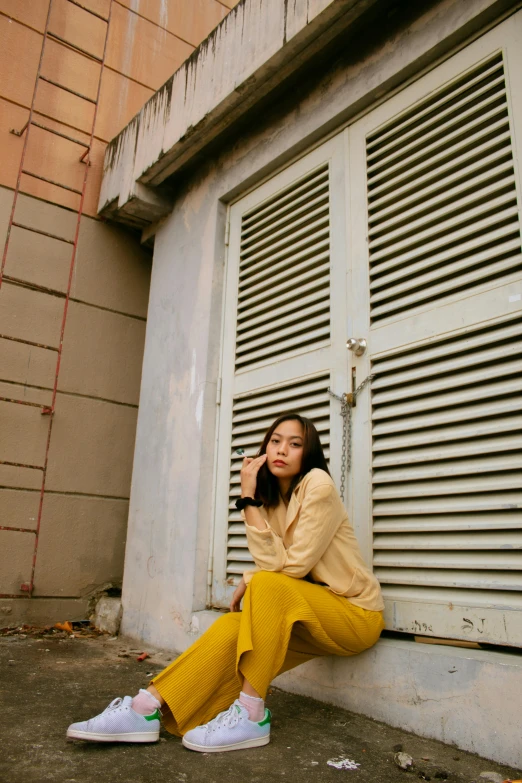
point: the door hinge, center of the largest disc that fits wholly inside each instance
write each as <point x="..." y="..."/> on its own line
<point x="218" y="392"/>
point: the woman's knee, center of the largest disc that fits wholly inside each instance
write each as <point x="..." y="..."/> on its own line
<point x="227" y="624"/>
<point x="268" y="581"/>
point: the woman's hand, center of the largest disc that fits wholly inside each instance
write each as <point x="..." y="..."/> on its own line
<point x="249" y="471"/>
<point x="239" y="592"/>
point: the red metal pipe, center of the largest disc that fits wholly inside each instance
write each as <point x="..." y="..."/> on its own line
<point x="24" y="148"/>
<point x="29" y="586"/>
<point x="65" y="310"/>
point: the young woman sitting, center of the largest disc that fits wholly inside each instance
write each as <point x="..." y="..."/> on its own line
<point x="311" y="594"/>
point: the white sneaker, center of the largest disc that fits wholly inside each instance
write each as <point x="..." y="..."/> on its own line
<point x="118" y="723"/>
<point x="230" y="730"/>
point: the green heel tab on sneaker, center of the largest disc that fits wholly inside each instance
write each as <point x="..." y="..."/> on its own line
<point x="155" y="716"/>
<point x="266" y="719"/>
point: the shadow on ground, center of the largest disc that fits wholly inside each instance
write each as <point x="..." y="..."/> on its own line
<point x="47" y="683"/>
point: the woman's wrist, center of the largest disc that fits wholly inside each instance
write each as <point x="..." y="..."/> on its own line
<point x="254" y="518"/>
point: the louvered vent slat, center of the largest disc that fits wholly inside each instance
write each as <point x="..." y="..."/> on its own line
<point x="442" y="196"/>
<point x="438" y="104"/>
<point x="468" y="179"/>
<point x="452" y="450"/>
<point x="460" y="197"/>
<point x="284" y="274"/>
<point x="498" y="580"/>
<point x="252" y="415"/>
<point x="394" y="196"/>
<point x="451" y="111"/>
<point x="455" y="388"/>
<point x="449" y="462"/>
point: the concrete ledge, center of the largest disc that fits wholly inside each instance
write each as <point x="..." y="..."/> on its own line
<point x="255" y="48"/>
<point x="444" y="693"/>
<point x="41" y="611"/>
<point x="458" y="696"/>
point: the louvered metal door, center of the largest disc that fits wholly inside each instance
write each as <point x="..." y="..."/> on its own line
<point x="439" y="283"/>
<point x="284" y="329"/>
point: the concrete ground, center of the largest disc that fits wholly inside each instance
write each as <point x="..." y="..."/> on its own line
<point x="48" y="681"/>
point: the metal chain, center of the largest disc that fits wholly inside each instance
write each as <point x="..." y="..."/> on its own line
<point x="347" y="403"/>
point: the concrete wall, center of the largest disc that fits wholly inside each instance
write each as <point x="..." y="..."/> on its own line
<point x="453" y="695"/>
<point x="170" y="517"/>
<point x="84" y="513"/>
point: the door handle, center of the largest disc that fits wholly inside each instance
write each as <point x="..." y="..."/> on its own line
<point x="357" y="345"/>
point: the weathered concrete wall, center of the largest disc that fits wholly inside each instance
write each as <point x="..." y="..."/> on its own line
<point x="456" y="696"/>
<point x="167" y="554"/>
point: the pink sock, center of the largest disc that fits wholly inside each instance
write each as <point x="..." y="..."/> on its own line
<point x="254" y="706"/>
<point x="145" y="703"/>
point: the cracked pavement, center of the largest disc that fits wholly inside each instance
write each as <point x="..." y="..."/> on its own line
<point x="47" y="683"/>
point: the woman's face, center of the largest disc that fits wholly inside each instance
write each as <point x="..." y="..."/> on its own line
<point x="284" y="450"/>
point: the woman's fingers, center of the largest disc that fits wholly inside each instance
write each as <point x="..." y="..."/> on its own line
<point x="254" y="460"/>
<point x="249" y="471"/>
<point x="252" y="464"/>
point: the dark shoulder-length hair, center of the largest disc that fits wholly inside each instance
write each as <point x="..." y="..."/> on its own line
<point x="313" y="457"/>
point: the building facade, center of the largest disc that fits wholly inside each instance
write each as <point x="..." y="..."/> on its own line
<point x="73" y="289"/>
<point x="333" y="171"/>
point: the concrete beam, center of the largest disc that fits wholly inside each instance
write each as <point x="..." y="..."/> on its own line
<point x="255" y="49"/>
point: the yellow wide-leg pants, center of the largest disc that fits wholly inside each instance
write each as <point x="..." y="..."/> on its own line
<point x="284" y="622"/>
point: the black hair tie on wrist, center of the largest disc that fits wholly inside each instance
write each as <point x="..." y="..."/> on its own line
<point x="242" y="502"/>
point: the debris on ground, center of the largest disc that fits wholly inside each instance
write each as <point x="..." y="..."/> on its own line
<point x="403" y="760"/>
<point x="66" y="626"/>
<point x="78" y="677"/>
<point x="341" y="763"/>
<point x="66" y="630"/>
<point x="142" y="656"/>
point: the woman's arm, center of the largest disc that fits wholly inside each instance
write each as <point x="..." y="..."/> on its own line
<point x="254" y="517"/>
<point x="249" y="471"/>
<point x="239" y="592"/>
<point x="321" y="514"/>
